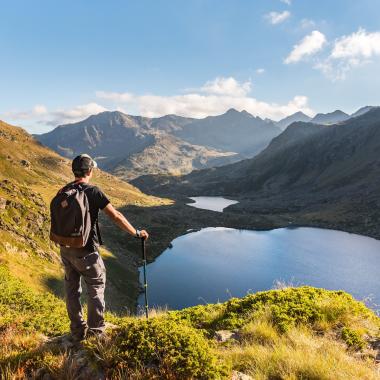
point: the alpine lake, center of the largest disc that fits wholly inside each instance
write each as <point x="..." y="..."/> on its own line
<point x="215" y="264"/>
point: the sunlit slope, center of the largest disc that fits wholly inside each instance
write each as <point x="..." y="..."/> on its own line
<point x="26" y="161"/>
<point x="30" y="174"/>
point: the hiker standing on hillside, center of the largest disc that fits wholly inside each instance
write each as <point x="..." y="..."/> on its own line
<point x="74" y="226"/>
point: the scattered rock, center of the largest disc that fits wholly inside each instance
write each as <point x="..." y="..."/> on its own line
<point x="375" y="345"/>
<point x="47" y="376"/>
<point x="25" y="163"/>
<point x="3" y="203"/>
<point x="224" y="335"/>
<point x="236" y="375"/>
<point x="111" y="326"/>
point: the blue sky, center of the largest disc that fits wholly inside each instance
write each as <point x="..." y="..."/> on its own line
<point x="63" y="60"/>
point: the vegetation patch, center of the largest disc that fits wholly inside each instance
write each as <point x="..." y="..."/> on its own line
<point x="160" y="346"/>
<point x="293" y="333"/>
<point x="353" y="338"/>
<point x="28" y="310"/>
<point x="286" y="308"/>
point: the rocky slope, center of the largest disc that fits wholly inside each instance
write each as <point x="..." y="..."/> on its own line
<point x="168" y="155"/>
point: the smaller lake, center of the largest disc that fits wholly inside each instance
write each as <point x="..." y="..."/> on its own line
<point x="211" y="203"/>
<point x="215" y="264"/>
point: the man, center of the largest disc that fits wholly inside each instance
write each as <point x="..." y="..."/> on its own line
<point x="86" y="262"/>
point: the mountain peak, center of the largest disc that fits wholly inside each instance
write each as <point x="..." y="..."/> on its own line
<point x="295" y="117"/>
<point x="334" y="117"/>
<point x="232" y="111"/>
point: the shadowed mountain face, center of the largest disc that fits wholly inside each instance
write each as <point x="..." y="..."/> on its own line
<point x="234" y="131"/>
<point x="311" y="174"/>
<point x="362" y="111"/>
<point x="131" y="146"/>
<point x="305" y="157"/>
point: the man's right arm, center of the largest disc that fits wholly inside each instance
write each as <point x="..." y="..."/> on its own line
<point x="118" y="218"/>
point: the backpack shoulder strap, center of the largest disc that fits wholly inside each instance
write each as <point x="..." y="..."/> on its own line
<point x="66" y="187"/>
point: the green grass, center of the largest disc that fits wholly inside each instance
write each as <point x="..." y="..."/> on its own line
<point x="28" y="310"/>
<point x="326" y="336"/>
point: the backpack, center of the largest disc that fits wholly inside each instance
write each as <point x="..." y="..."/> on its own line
<point x="70" y="217"/>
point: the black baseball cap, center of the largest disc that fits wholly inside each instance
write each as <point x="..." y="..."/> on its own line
<point x="82" y="164"/>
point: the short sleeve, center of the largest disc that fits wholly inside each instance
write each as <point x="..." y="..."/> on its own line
<point x="100" y="198"/>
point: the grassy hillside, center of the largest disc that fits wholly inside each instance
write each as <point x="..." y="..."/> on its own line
<point x="291" y="333"/>
<point x="30" y="175"/>
<point x="26" y="161"/>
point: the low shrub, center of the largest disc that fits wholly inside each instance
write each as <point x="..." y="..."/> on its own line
<point x="353" y="339"/>
<point x="287" y="308"/>
<point x="160" y="345"/>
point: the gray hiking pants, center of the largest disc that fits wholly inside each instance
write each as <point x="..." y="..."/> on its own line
<point x="78" y="262"/>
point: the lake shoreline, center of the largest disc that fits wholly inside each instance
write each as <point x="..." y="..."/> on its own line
<point x="212" y="260"/>
<point x="165" y="223"/>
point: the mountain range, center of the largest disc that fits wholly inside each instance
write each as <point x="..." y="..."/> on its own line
<point x="335" y="168"/>
<point x="131" y="146"/>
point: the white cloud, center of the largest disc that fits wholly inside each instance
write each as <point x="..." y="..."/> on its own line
<point x="213" y="98"/>
<point x="277" y="17"/>
<point x="260" y="71"/>
<point x="359" y="45"/>
<point x="356" y="49"/>
<point x="288" y="2"/>
<point x="309" y="45"/>
<point x="114" y="96"/>
<point x="206" y="101"/>
<point x="62" y="116"/>
<point x="226" y="86"/>
<point x="40" y="115"/>
<point x="37" y="110"/>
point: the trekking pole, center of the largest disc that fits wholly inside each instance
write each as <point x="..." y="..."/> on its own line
<point x="145" y="280"/>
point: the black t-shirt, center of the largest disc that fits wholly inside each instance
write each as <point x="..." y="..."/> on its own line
<point x="97" y="201"/>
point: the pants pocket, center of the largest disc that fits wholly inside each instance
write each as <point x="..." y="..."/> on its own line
<point x="91" y="265"/>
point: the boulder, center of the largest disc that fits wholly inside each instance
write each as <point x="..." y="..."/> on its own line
<point x="236" y="375"/>
<point x="224" y="335"/>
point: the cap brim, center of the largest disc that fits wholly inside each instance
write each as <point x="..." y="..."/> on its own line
<point x="95" y="164"/>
